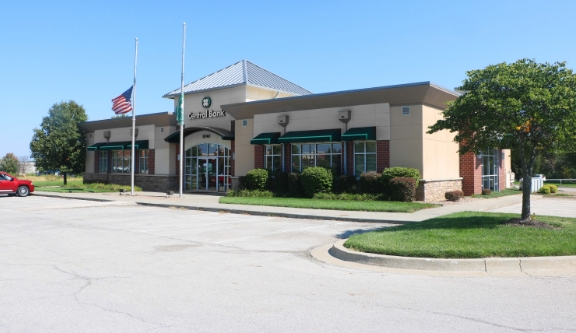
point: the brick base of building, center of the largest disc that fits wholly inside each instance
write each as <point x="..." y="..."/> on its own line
<point x="154" y="183"/>
<point x="434" y="190"/>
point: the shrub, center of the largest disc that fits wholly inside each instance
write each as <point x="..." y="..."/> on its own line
<point x="390" y="173"/>
<point x="280" y="182"/>
<point x="256" y="179"/>
<point x="545" y="189"/>
<point x="403" y="189"/>
<point x="242" y="183"/>
<point x="454" y="195"/>
<point x="486" y="191"/>
<point x="344" y="184"/>
<point x="294" y="185"/>
<point x="370" y="183"/>
<point x="553" y="188"/>
<point x="316" y="180"/>
<point x="347" y="196"/>
<point x="252" y="194"/>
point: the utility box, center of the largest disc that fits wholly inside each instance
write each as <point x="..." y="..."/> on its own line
<point x="344" y="116"/>
<point x="283" y="120"/>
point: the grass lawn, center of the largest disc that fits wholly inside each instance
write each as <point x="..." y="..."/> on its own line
<point x="40" y="181"/>
<point x="508" y="191"/>
<point x="73" y="190"/>
<point x="370" y="206"/>
<point x="470" y="235"/>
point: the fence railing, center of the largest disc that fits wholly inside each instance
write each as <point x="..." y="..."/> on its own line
<point x="561" y="180"/>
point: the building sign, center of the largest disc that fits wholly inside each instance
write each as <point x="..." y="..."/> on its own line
<point x="207" y="114"/>
<point x="206" y="102"/>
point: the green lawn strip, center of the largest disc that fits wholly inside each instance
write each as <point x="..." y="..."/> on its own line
<point x="60" y="182"/>
<point x="503" y="193"/>
<point x="370" y="206"/>
<point x="470" y="235"/>
<point x="72" y="190"/>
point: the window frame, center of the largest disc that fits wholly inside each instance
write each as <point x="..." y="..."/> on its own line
<point x="365" y="153"/>
<point x="102" y="153"/>
<point x="272" y="155"/>
<point x="121" y="158"/>
<point x="314" y="154"/>
<point x="143" y="167"/>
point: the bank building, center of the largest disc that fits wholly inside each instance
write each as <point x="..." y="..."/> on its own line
<point x="244" y="117"/>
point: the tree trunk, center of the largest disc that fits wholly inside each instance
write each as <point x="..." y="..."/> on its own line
<point x="65" y="178"/>
<point x="526" y="185"/>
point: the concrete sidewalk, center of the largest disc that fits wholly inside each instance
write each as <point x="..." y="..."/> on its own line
<point x="209" y="202"/>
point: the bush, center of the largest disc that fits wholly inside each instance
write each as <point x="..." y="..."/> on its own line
<point x="454" y="195"/>
<point x="344" y="184"/>
<point x="348" y="196"/>
<point x="390" y="173"/>
<point x="280" y="182"/>
<point x="251" y="194"/>
<point x="242" y="183"/>
<point x="553" y="188"/>
<point x="256" y="179"/>
<point x="316" y="180"/>
<point x="370" y="183"/>
<point x="545" y="189"/>
<point x="403" y="189"/>
<point x="486" y="191"/>
<point x="294" y="185"/>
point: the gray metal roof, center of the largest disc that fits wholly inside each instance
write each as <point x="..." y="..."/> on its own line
<point x="241" y="73"/>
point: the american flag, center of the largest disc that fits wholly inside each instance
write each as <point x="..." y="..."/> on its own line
<point x="121" y="104"/>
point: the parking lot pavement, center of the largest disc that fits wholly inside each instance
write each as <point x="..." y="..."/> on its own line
<point x="82" y="266"/>
<point x="545" y="206"/>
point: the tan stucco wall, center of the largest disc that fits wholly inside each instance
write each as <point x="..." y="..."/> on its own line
<point x="193" y="104"/>
<point x="197" y="138"/>
<point x="90" y="161"/>
<point x="440" y="151"/>
<point x="406" y="148"/>
<point x="164" y="155"/>
<point x="123" y="134"/>
<point x="244" y="151"/>
<point x="256" y="94"/>
<point x="306" y="120"/>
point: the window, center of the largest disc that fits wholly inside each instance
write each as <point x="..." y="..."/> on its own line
<point x="328" y="155"/>
<point x="244" y="123"/>
<point x="490" y="168"/>
<point x="103" y="161"/>
<point x="405" y="110"/>
<point x="143" y="161"/>
<point x="364" y="157"/>
<point x="273" y="157"/>
<point x="121" y="161"/>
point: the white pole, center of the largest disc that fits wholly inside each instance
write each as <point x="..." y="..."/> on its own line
<point x="133" y="153"/>
<point x="182" y="124"/>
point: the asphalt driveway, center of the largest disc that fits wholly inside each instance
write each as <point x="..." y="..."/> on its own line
<point x="83" y="266"/>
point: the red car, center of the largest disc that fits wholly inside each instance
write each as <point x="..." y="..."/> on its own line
<point x="12" y="185"/>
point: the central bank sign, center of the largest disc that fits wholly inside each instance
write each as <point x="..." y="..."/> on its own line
<point x="206" y="103"/>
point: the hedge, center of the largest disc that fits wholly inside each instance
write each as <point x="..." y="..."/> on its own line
<point x="316" y="180"/>
<point x="256" y="179"/>
<point x="403" y="189"/>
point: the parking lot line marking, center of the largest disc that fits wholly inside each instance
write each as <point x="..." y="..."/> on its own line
<point x="280" y="232"/>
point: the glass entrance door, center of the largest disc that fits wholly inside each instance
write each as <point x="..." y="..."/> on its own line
<point x="207" y="168"/>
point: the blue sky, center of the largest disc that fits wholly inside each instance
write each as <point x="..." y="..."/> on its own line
<point x="53" y="51"/>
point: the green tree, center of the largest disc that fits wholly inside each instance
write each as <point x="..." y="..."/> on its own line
<point x="59" y="143"/>
<point x="9" y="163"/>
<point x="526" y="106"/>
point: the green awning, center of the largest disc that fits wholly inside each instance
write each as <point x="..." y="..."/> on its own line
<point x="330" y="135"/>
<point x="265" y="138"/>
<point x="360" y="134"/>
<point x="96" y="146"/>
<point x="124" y="145"/>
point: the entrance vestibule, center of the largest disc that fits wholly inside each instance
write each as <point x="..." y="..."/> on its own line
<point x="207" y="168"/>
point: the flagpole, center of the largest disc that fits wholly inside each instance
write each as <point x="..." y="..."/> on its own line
<point x="182" y="106"/>
<point x="133" y="152"/>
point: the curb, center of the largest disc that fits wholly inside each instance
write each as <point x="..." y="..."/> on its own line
<point x="262" y="213"/>
<point x="454" y="265"/>
<point x="240" y="211"/>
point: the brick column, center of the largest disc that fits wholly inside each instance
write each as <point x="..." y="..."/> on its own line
<point x="471" y="173"/>
<point x="287" y="157"/>
<point x="350" y="157"/>
<point x="96" y="161"/>
<point x="151" y="161"/>
<point x="259" y="156"/>
<point x="382" y="155"/>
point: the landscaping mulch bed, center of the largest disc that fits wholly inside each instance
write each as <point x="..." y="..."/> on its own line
<point x="517" y="222"/>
